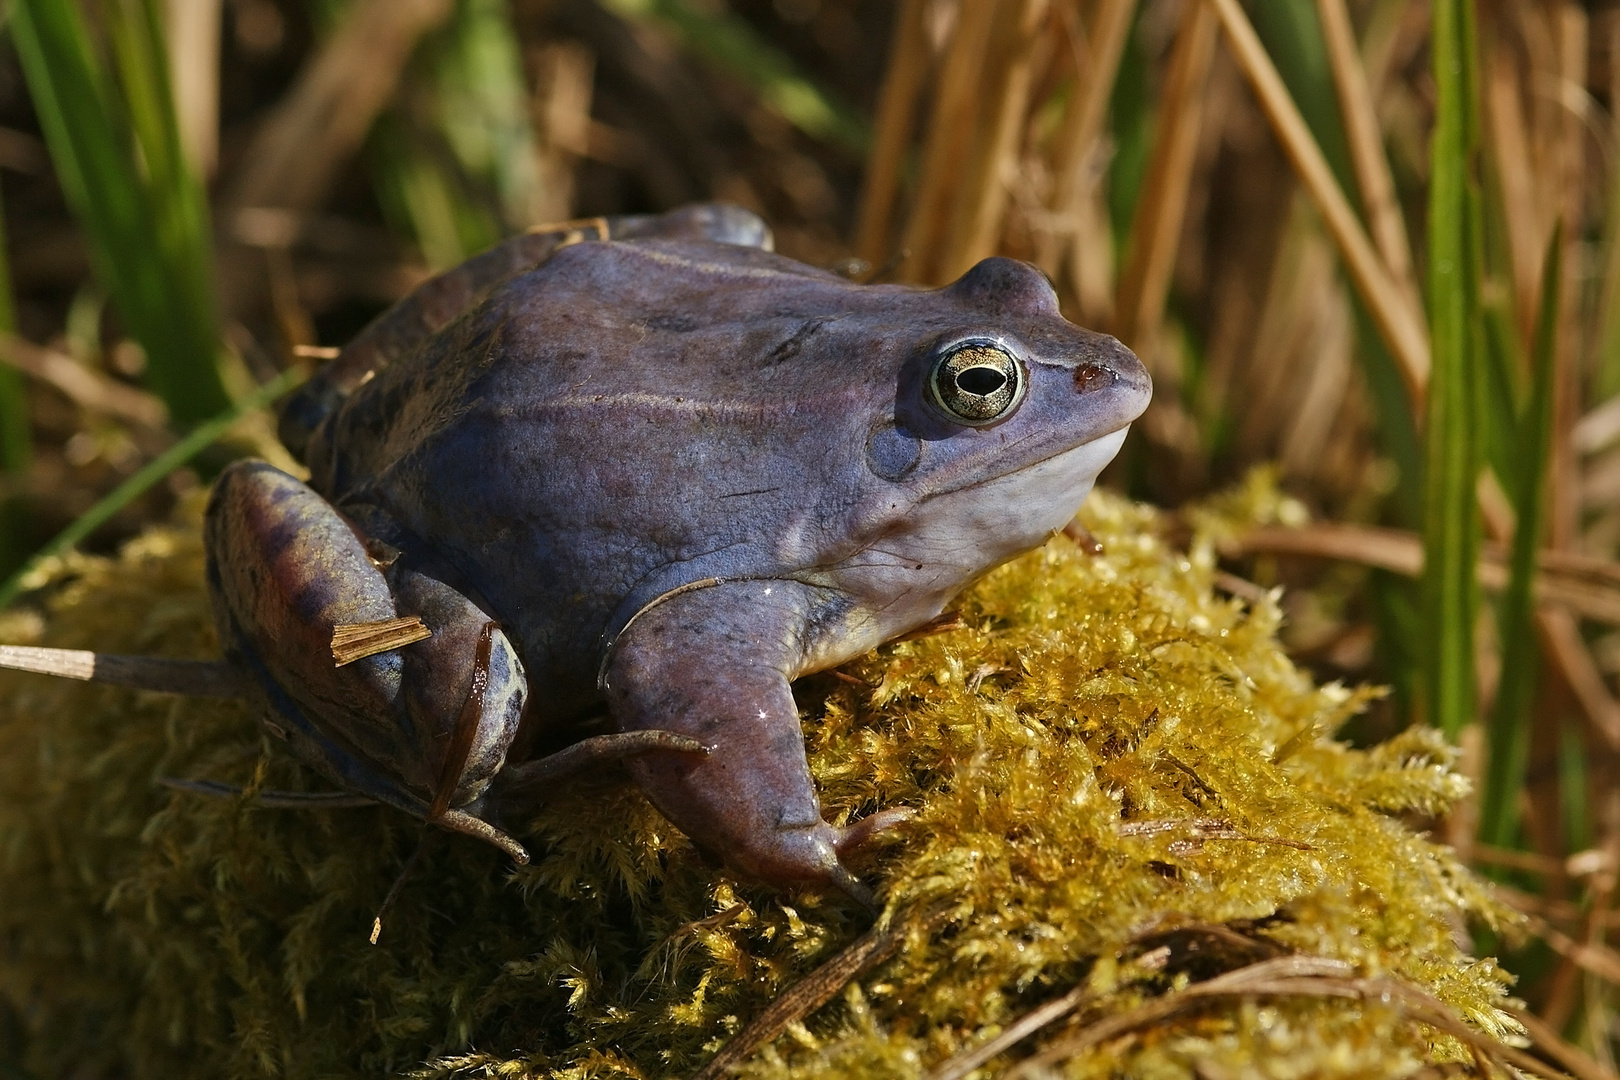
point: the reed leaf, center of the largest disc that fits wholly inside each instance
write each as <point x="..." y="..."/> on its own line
<point x="734" y="47"/>
<point x="118" y="157"/>
<point x="1512" y="715"/>
<point x="1451" y="524"/>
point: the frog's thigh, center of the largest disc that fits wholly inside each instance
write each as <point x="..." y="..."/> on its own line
<point x="284" y="568"/>
<point x="431" y="720"/>
<point x="711" y="664"/>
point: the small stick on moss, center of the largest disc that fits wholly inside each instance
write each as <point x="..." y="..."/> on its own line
<point x="806" y="996"/>
<point x="399" y="884"/>
<point x="1025" y="1026"/>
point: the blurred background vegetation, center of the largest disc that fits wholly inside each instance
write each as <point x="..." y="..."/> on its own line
<point x="1368" y="244"/>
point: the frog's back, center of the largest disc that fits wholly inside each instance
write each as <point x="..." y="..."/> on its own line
<point x="620" y="421"/>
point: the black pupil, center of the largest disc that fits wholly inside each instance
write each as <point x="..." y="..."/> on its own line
<point x="981" y="380"/>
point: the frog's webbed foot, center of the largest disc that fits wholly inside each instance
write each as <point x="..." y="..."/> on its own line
<point x="713" y="663"/>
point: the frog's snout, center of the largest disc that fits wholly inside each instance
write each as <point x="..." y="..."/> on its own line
<point x="1115" y="370"/>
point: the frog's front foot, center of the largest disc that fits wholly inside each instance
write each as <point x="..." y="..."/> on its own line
<point x="713" y="664"/>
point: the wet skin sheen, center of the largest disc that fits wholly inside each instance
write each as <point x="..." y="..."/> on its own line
<point x="647" y="464"/>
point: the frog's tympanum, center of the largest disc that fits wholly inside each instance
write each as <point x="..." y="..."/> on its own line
<point x="648" y="465"/>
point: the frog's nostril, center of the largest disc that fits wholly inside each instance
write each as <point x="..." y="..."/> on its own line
<point x="1088" y="377"/>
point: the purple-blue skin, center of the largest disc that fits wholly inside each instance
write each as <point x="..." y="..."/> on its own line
<point x="679" y="473"/>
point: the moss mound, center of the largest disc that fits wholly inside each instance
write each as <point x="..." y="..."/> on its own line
<point x="1124" y="788"/>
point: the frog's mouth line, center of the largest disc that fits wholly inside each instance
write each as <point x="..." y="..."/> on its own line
<point x="1090" y="444"/>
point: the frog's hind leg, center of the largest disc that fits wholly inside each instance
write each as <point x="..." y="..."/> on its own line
<point x="422" y="725"/>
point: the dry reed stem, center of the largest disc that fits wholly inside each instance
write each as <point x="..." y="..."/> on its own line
<point x="191" y="29"/>
<point x="1561" y="639"/>
<point x="82" y="386"/>
<point x="1523" y="218"/>
<point x="1144" y="284"/>
<point x="564" y="71"/>
<point x="323" y="119"/>
<point x="1366" y="145"/>
<point x="1405" y="335"/>
<point x="1563" y="496"/>
<point x="903" y="80"/>
<point x="947" y="149"/>
<point x="1095" y="73"/>
<point x="1546" y="1036"/>
<point x="1004" y="96"/>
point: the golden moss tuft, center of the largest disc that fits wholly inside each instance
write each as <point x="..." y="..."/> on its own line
<point x="1123" y="786"/>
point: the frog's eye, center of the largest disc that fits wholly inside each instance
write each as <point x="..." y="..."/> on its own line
<point x="976" y="384"/>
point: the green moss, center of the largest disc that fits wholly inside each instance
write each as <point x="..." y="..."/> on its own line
<point x="1121" y="780"/>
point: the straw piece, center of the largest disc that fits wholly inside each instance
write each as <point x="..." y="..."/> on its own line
<point x="1587" y="587"/>
<point x="356" y="641"/>
<point x="1523" y="219"/>
<point x="192" y="32"/>
<point x="896" y="114"/>
<point x="1406" y="337"/>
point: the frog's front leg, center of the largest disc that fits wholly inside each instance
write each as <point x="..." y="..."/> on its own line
<point x="714" y="663"/>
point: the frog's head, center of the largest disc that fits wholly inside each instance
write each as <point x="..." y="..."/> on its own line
<point x="1003" y="413"/>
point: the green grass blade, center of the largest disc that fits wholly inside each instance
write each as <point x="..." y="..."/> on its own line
<point x="1451" y="526"/>
<point x="1511" y="717"/>
<point x="197" y="440"/>
<point x="484" y="107"/>
<point x="733" y="46"/>
<point x="138" y="212"/>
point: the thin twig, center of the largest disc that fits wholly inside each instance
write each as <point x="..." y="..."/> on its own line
<point x="1144" y="284"/>
<point x="82" y="386"/>
<point x="1587" y="587"/>
<point x="1366" y="145"/>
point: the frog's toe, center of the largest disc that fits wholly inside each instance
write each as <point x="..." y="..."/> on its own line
<point x="856" y="836"/>
<point x="810" y="856"/>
